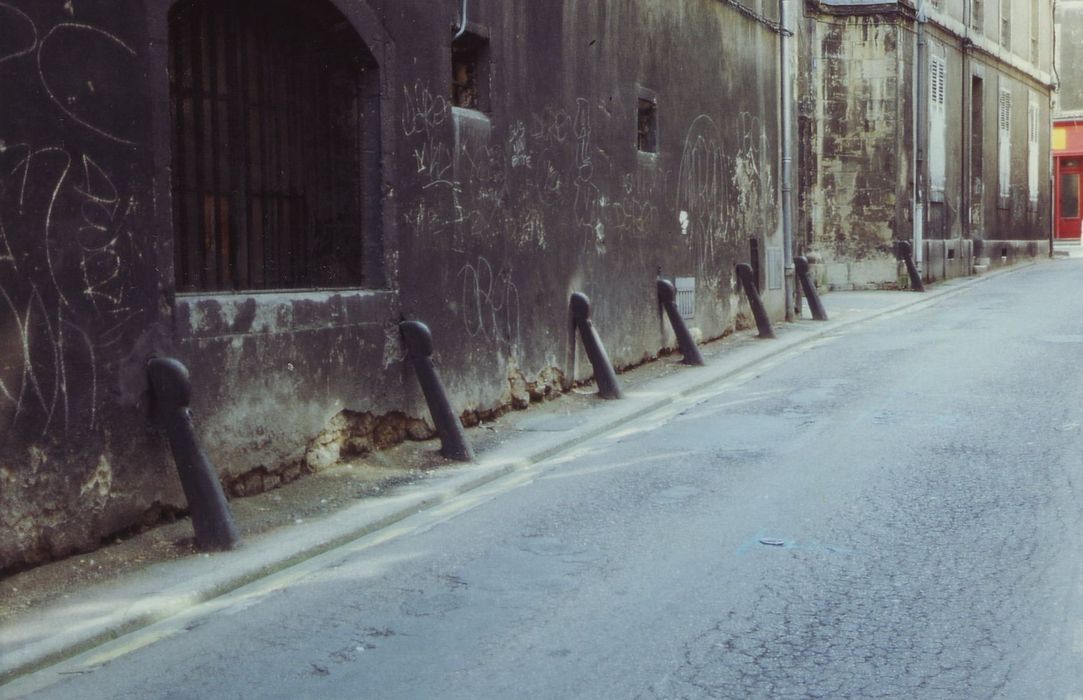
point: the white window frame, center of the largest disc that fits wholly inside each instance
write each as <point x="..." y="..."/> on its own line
<point x="1034" y="25"/>
<point x="1004" y="33"/>
<point x="937" y="128"/>
<point x="1004" y="146"/>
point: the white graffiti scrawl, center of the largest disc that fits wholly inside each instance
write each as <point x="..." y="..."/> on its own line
<point x="722" y="193"/>
<point x="67" y="247"/>
<point x="506" y="190"/>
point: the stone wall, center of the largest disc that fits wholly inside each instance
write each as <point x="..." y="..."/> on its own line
<point x="488" y="220"/>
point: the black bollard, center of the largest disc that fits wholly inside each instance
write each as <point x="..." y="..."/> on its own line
<point x="904" y="251"/>
<point x="744" y="272"/>
<point x="797" y="300"/>
<point x="667" y="297"/>
<point x="171" y="392"/>
<point x="814" y="304"/>
<point x="418" y="339"/>
<point x="604" y="374"/>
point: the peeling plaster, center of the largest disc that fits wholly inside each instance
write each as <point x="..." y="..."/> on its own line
<point x="100" y="483"/>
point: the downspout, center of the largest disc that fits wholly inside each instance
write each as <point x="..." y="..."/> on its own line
<point x="462" y="22"/>
<point x="919" y="138"/>
<point x="966" y="128"/>
<point x="1053" y="163"/>
<point x="786" y="46"/>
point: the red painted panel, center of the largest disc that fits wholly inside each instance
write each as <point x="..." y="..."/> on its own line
<point x="1074" y="138"/>
<point x="1068" y="196"/>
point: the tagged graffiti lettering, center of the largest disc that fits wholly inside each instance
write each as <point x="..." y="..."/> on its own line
<point x="490" y="304"/>
<point x="721" y="194"/>
<point x="548" y="170"/>
<point x="67" y="250"/>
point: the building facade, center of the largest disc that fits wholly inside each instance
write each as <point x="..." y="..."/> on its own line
<point x="924" y="121"/>
<point x="1068" y="120"/>
<point x="264" y="190"/>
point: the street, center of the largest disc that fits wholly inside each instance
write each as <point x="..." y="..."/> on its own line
<point x="892" y="511"/>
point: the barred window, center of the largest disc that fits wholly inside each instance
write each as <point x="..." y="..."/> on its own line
<point x="276" y="147"/>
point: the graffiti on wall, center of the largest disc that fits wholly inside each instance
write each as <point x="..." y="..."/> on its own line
<point x="66" y="239"/>
<point x="490" y="304"/>
<point x="508" y="188"/>
<point x="722" y="196"/>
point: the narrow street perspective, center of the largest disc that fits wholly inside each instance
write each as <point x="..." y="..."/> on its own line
<point x="541" y="348"/>
<point x="890" y="510"/>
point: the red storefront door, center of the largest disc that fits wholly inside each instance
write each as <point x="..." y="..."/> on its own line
<point x="1069" y="197"/>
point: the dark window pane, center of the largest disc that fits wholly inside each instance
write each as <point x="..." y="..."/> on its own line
<point x="647" y="126"/>
<point x="1069" y="195"/>
<point x="268" y="146"/>
<point x="469" y="54"/>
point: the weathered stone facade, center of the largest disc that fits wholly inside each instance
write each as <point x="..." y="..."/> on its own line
<point x="901" y="125"/>
<point x="854" y="130"/>
<point x="484" y="222"/>
<point x="1068" y="98"/>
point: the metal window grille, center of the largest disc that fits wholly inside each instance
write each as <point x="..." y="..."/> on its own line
<point x="273" y="131"/>
<point x="686" y="296"/>
<point x="774" y="268"/>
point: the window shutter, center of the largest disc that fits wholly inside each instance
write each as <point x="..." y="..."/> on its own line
<point x="1004" y="138"/>
<point x="937" y="126"/>
<point x="1032" y="149"/>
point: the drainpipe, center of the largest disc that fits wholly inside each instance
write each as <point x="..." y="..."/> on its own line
<point x="786" y="60"/>
<point x="919" y="137"/>
<point x="462" y="23"/>
<point x="966" y="128"/>
<point x="1052" y="159"/>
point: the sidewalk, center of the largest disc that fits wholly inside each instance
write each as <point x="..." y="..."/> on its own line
<point x="62" y="621"/>
<point x="1068" y="248"/>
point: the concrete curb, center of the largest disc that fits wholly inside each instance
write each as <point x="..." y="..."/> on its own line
<point x="29" y="643"/>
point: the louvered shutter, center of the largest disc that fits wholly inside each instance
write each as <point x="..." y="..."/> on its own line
<point x="937" y="127"/>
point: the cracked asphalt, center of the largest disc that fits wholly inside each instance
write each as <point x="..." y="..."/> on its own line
<point x="889" y="512"/>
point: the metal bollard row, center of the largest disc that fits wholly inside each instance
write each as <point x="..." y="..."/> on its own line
<point x="211" y="518"/>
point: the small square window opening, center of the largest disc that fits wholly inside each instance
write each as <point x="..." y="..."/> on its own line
<point x="469" y="58"/>
<point x="647" y="126"/>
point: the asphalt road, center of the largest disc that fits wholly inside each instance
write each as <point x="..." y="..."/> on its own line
<point x="890" y="512"/>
